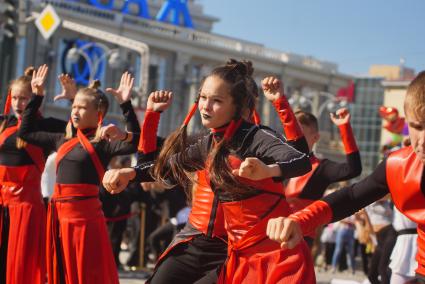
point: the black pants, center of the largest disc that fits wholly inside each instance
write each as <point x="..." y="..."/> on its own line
<point x="197" y="261"/>
<point x="386" y="238"/>
<point x="116" y="231"/>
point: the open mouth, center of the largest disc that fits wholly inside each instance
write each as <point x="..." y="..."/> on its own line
<point x="18" y="111"/>
<point x="206" y="116"/>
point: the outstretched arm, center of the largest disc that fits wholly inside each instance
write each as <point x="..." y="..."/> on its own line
<point x="332" y="207"/>
<point x="273" y="91"/>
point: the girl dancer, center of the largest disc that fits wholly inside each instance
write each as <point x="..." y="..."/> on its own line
<point x="251" y="197"/>
<point x="78" y="247"/>
<point x="22" y="212"/>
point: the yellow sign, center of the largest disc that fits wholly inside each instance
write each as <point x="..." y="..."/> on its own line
<point x="47" y="22"/>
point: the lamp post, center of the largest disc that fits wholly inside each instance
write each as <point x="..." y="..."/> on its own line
<point x="312" y="99"/>
<point x="113" y="56"/>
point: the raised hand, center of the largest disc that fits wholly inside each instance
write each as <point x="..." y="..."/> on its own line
<point x="69" y="88"/>
<point x="123" y="93"/>
<point x="272" y="88"/>
<point x="112" y="132"/>
<point x="116" y="180"/>
<point x="285" y="231"/>
<point x="255" y="169"/>
<point x="38" y="78"/>
<point x="159" y="100"/>
<point x="342" y="117"/>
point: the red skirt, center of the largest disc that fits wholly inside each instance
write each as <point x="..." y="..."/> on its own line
<point x="79" y="249"/>
<point x="254" y="258"/>
<point x="21" y="196"/>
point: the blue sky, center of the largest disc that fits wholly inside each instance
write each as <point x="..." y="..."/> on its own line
<point x="352" y="33"/>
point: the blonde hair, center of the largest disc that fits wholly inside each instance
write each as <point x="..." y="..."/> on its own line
<point x="101" y="104"/>
<point x="415" y="97"/>
<point x="24" y="82"/>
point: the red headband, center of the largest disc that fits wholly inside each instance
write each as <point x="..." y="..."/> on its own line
<point x="190" y="113"/>
<point x="256" y="117"/>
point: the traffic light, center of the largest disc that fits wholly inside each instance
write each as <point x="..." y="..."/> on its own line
<point x="8" y="17"/>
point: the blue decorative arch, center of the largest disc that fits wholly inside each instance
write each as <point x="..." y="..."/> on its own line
<point x="143" y="8"/>
<point x="176" y="8"/>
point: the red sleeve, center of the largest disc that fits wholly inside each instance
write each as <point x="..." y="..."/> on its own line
<point x="287" y="118"/>
<point x="147" y="142"/>
<point x="316" y="214"/>
<point x="348" y="139"/>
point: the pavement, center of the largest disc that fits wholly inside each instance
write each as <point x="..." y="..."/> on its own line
<point x="322" y="276"/>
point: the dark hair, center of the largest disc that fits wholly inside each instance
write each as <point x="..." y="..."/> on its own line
<point x="307" y="119"/>
<point x="238" y="75"/>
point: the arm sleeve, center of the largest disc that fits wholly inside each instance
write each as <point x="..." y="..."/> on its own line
<point x="131" y="122"/>
<point x="359" y="195"/>
<point x="334" y="172"/>
<point x="333" y="207"/>
<point x="193" y="159"/>
<point x="115" y="148"/>
<point x="147" y="148"/>
<point x="32" y="134"/>
<point x="287" y="118"/>
<point x="271" y="149"/>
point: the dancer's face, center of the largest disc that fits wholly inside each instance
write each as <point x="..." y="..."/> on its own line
<point x="416" y="125"/>
<point x="84" y="114"/>
<point x="215" y="103"/>
<point x="20" y="98"/>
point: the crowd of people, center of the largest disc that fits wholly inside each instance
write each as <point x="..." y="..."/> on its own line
<point x="237" y="203"/>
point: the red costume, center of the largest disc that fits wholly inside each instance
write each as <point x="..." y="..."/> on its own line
<point x="78" y="245"/>
<point x="22" y="211"/>
<point x="247" y="237"/>
<point x="401" y="175"/>
<point x="21" y="195"/>
<point x="79" y="249"/>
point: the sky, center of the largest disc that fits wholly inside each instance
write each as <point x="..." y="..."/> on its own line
<point x="351" y="33"/>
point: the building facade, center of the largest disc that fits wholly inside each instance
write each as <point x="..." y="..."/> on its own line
<point x="161" y="55"/>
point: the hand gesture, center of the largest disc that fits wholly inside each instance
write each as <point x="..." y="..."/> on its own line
<point x="69" y="88"/>
<point x="112" y="132"/>
<point x="159" y="100"/>
<point x="272" y="88"/>
<point x="254" y="169"/>
<point x="342" y="117"/>
<point x="38" y="78"/>
<point x="116" y="180"/>
<point x="285" y="231"/>
<point x="123" y="93"/>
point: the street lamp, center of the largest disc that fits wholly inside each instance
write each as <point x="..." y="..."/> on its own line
<point x="75" y="53"/>
<point x="312" y="99"/>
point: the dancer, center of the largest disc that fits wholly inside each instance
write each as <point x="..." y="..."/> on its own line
<point x="224" y="100"/>
<point x="22" y="212"/>
<point x="400" y="174"/>
<point x="204" y="235"/>
<point x="78" y="247"/>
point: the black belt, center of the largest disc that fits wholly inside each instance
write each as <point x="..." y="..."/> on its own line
<point x="73" y="198"/>
<point x="407" y="232"/>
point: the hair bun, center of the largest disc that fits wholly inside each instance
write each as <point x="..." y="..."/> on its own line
<point x="243" y="67"/>
<point x="95" y="84"/>
<point x="29" y="71"/>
